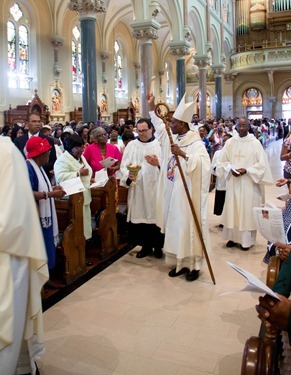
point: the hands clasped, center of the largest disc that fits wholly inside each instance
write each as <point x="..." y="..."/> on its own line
<point x="274" y="313"/>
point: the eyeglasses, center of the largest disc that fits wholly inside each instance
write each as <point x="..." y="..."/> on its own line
<point x="142" y="130"/>
<point x="36" y="121"/>
<point x="102" y="135"/>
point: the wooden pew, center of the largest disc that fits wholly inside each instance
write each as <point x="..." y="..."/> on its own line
<point x="260" y="352"/>
<point x="70" y="221"/>
<point x="103" y="201"/>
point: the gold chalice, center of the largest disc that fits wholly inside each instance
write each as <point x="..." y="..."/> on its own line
<point x="134" y="169"/>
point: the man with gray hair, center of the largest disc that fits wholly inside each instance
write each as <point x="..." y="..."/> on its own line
<point x="245" y="167"/>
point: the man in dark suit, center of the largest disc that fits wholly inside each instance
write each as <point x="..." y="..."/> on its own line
<point x="33" y="125"/>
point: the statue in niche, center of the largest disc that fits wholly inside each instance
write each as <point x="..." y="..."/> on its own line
<point x="136" y="105"/>
<point x="104" y="104"/>
<point x="56" y="101"/>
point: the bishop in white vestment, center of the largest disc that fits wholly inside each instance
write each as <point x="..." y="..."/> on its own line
<point x="244" y="165"/>
<point x="182" y="246"/>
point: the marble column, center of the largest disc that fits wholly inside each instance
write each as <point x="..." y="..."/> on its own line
<point x="87" y="15"/>
<point x="218" y="90"/>
<point x="202" y="63"/>
<point x="180" y="51"/>
<point x="88" y="63"/>
<point x="145" y="33"/>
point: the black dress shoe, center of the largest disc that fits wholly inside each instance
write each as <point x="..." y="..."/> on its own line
<point x="144" y="252"/>
<point x="230" y="244"/>
<point x="173" y="272"/>
<point x="193" y="275"/>
<point x="158" y="253"/>
<point x="244" y="248"/>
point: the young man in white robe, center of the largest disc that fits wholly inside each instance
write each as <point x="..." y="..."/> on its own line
<point x="244" y="165"/>
<point x="183" y="247"/>
<point x="142" y="191"/>
<point x="23" y="267"/>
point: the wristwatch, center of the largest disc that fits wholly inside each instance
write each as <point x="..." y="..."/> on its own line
<point x="187" y="157"/>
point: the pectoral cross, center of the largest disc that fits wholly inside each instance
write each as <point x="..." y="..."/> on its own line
<point x="238" y="156"/>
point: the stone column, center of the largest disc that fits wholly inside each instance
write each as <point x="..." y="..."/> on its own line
<point x="57" y="42"/>
<point x="180" y="51"/>
<point x="218" y="70"/>
<point x="87" y="15"/>
<point x="145" y="32"/>
<point x="202" y="62"/>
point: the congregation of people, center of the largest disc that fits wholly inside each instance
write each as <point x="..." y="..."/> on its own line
<point x="163" y="166"/>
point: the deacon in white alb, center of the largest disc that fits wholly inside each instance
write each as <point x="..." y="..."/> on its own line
<point x="142" y="193"/>
<point x="244" y="165"/>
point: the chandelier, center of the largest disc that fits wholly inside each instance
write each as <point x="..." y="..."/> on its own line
<point x="87" y="6"/>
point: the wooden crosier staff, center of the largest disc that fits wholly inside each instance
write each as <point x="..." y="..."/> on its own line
<point x="164" y="117"/>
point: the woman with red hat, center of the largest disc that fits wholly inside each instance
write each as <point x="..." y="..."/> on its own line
<point x="38" y="151"/>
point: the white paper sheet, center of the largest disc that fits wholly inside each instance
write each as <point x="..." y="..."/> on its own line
<point x="101" y="178"/>
<point x="269" y="223"/>
<point x="108" y="162"/>
<point x="254" y="284"/>
<point x="73" y="186"/>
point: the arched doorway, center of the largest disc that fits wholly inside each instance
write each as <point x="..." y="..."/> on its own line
<point x="252" y="102"/>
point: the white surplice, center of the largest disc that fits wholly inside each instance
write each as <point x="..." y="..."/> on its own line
<point x="141" y="197"/>
<point x="244" y="192"/>
<point x="23" y="263"/>
<point x="182" y="246"/>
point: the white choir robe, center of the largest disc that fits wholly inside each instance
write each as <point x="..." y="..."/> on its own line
<point x="244" y="192"/>
<point x="141" y="197"/>
<point x="182" y="245"/>
<point x="23" y="265"/>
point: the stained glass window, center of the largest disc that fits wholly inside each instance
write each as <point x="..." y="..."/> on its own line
<point x="118" y="65"/>
<point x="18" y="50"/>
<point x="252" y="97"/>
<point x="76" y="61"/>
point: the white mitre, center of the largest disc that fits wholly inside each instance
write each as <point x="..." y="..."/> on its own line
<point x="184" y="111"/>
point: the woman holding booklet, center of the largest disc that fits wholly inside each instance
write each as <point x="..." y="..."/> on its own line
<point x="100" y="151"/>
<point x="72" y="164"/>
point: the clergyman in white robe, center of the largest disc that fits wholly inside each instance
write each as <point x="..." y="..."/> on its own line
<point x="142" y="210"/>
<point x="182" y="245"/>
<point x="23" y="266"/>
<point x="243" y="192"/>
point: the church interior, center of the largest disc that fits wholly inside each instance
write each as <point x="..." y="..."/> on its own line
<point x="95" y="60"/>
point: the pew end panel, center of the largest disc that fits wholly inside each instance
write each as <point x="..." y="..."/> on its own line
<point x="103" y="201"/>
<point x="260" y="352"/>
<point x="70" y="221"/>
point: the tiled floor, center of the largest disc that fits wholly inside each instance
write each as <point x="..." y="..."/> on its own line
<point x="132" y="319"/>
